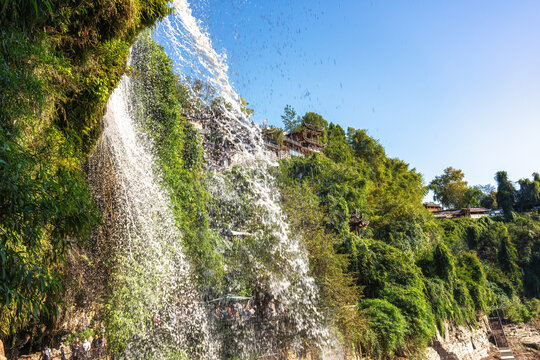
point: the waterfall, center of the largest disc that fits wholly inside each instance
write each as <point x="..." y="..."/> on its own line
<point x="153" y="306"/>
<point x="191" y="49"/>
<point x="286" y="277"/>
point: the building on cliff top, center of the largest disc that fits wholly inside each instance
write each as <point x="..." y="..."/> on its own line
<point x="304" y="141"/>
<point x="432" y="207"/>
<point x="473" y="213"/>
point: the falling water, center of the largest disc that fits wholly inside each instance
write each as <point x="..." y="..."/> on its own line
<point x="153" y="308"/>
<point x="287" y="280"/>
<point x="191" y="49"/>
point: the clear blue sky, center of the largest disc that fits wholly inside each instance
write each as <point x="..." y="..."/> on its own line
<point x="438" y="83"/>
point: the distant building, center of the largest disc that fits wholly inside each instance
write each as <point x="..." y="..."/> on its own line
<point x="448" y="214"/>
<point x="309" y="139"/>
<point x="473" y="213"/>
<point x="497" y="212"/>
<point x="432" y="207"/>
<point x="305" y="141"/>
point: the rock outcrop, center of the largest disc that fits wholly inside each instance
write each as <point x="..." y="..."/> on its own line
<point x="524" y="339"/>
<point x="2" y="354"/>
<point x="462" y="343"/>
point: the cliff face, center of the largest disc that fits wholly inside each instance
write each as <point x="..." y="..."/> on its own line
<point x="462" y="343"/>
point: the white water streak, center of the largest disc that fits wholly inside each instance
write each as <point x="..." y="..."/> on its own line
<point x="152" y="297"/>
<point x="192" y="51"/>
<point x="186" y="40"/>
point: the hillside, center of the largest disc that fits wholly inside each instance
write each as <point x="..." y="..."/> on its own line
<point x="125" y="214"/>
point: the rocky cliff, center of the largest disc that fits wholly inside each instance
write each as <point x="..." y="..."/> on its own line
<point x="462" y="343"/>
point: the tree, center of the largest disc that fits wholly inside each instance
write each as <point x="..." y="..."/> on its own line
<point x="489" y="196"/>
<point x="291" y="120"/>
<point x="367" y="148"/>
<point x="315" y="120"/>
<point x="449" y="188"/>
<point x="472" y="197"/>
<point x="529" y="192"/>
<point x="337" y="148"/>
<point x="336" y="132"/>
<point x="505" y="192"/>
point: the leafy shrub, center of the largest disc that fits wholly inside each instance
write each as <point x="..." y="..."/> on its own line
<point x="449" y="303"/>
<point x="517" y="312"/>
<point x="44" y="205"/>
<point x="471" y="272"/>
<point x="388" y="325"/>
<point x="533" y="305"/>
<point x="378" y="265"/>
<point x="444" y="263"/>
<point x="414" y="306"/>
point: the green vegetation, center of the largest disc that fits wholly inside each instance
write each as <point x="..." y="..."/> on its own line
<point x="528" y="194"/>
<point x="414" y="271"/>
<point x="339" y="295"/>
<point x="387" y="288"/>
<point x="505" y="192"/>
<point x="452" y="191"/>
<point x="59" y="61"/>
<point x="84" y="334"/>
<point x="387" y="327"/>
<point x="290" y="119"/>
<point x="45" y="206"/>
<point x="449" y="189"/>
<point x="161" y="98"/>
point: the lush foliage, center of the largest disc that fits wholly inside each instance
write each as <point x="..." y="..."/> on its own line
<point x="528" y="195"/>
<point x="412" y="269"/>
<point x="387" y="325"/>
<point x="291" y="120"/>
<point x="450" y="188"/>
<point x="59" y="61"/>
<point x="387" y="287"/>
<point x="339" y="295"/>
<point x="505" y="192"/>
<point x="452" y="191"/>
<point x="44" y="208"/>
<point x="356" y="177"/>
<point x="161" y="100"/>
